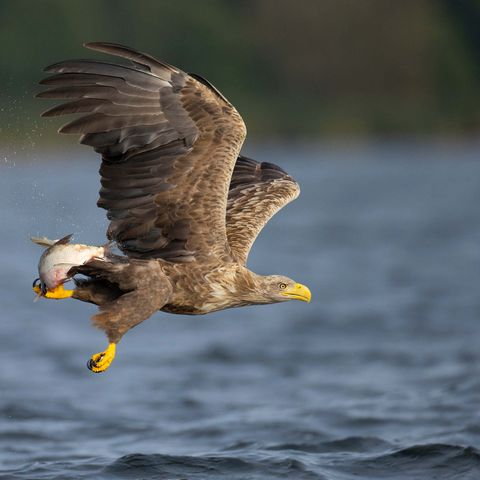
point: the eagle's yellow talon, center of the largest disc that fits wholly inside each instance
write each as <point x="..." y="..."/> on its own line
<point x="101" y="361"/>
<point x="57" y="293"/>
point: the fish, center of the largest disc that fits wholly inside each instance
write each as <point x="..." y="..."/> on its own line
<point x="56" y="261"/>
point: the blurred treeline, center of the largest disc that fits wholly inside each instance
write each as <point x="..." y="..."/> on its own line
<point x="292" y="68"/>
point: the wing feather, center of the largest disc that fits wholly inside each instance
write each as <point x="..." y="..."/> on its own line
<point x="257" y="192"/>
<point x="168" y="142"/>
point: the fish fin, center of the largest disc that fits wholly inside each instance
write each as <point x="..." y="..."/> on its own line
<point x="65" y="264"/>
<point x="64" y="240"/>
<point x="43" y="241"/>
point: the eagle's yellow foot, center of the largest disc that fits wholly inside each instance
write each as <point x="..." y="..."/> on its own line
<point x="58" y="293"/>
<point x="101" y="361"/>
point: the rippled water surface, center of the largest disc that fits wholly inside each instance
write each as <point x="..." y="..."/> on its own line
<point x="377" y="378"/>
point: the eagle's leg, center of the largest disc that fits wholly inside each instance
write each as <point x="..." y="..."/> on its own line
<point x="126" y="293"/>
<point x="117" y="317"/>
<point x="98" y="292"/>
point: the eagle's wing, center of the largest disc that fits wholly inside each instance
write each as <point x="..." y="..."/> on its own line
<point x="257" y="192"/>
<point x="169" y="142"/>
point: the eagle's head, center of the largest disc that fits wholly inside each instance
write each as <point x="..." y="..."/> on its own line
<point x="278" y="288"/>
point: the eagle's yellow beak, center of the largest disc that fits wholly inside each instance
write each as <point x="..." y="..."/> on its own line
<point x="298" y="292"/>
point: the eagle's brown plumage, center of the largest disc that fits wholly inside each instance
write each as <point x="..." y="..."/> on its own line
<point x="257" y="191"/>
<point x="184" y="206"/>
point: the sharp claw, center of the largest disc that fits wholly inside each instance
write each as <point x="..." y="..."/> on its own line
<point x="92" y="364"/>
<point x="99" y="362"/>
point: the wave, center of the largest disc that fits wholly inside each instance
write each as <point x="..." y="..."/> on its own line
<point x="207" y="467"/>
<point x="418" y="462"/>
<point x="347" y="462"/>
<point x="347" y="444"/>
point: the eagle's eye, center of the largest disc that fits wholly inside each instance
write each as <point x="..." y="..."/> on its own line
<point x="282" y="286"/>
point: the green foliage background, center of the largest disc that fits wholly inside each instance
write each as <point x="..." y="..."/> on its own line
<point x="303" y="68"/>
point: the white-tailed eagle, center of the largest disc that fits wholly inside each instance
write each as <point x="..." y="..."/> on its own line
<point x="184" y="206"/>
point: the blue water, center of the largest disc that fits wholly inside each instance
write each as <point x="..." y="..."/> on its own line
<point x="377" y="378"/>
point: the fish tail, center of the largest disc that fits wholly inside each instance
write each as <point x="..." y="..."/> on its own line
<point x="43" y="241"/>
<point x="64" y="240"/>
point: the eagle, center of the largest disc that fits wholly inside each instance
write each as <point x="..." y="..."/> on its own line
<point x="184" y="205"/>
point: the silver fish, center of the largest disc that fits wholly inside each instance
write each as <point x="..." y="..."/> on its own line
<point x="59" y="257"/>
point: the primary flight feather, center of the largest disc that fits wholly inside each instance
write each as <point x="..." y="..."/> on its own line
<point x="184" y="206"/>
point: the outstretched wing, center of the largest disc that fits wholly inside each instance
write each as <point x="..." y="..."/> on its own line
<point x="257" y="192"/>
<point x="168" y="142"/>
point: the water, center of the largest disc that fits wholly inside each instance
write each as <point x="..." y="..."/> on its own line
<point x="377" y="378"/>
